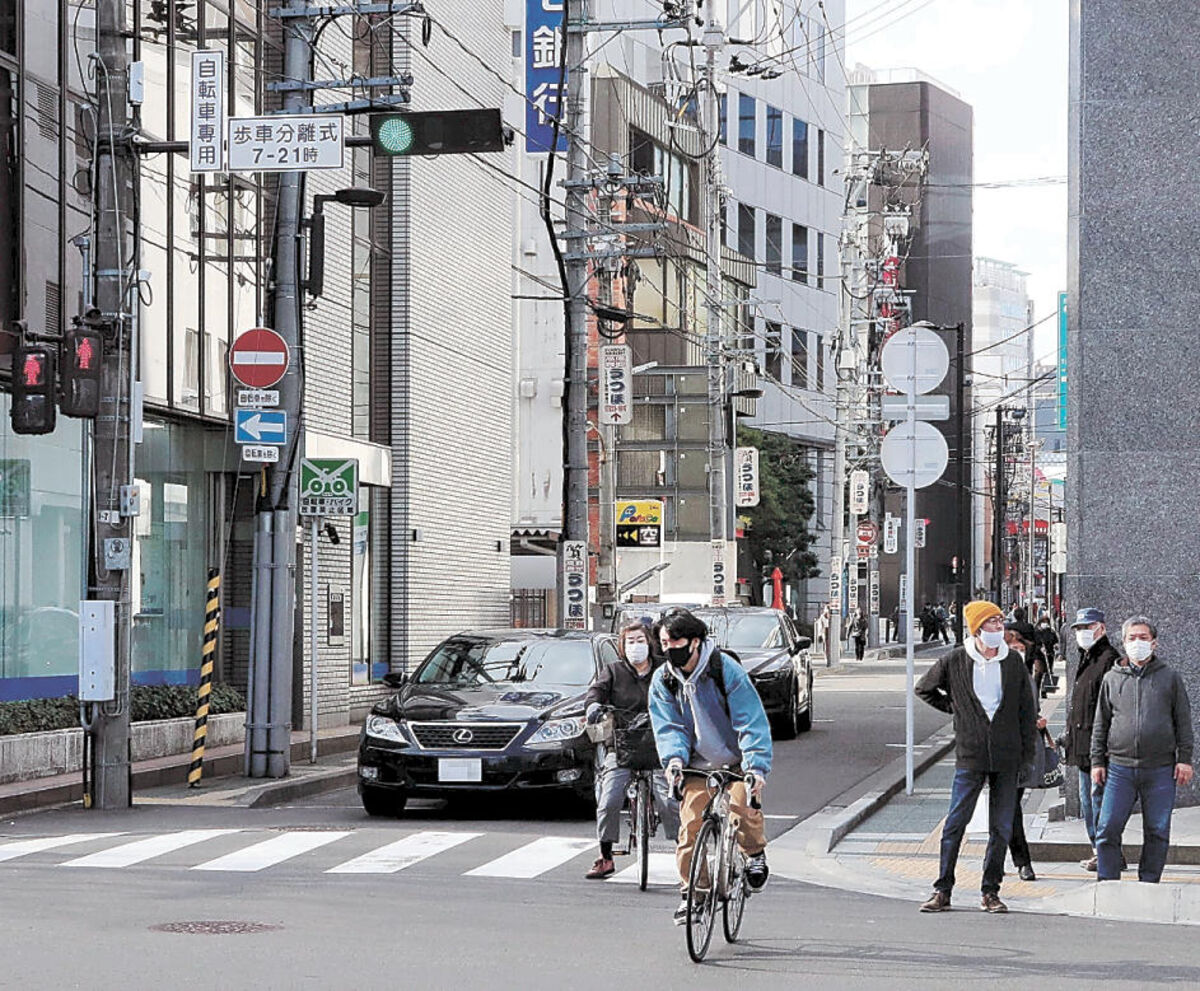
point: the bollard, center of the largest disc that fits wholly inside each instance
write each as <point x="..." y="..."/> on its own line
<point x="207" y="653"/>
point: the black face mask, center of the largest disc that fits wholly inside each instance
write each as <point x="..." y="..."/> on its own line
<point x="679" y="656"/>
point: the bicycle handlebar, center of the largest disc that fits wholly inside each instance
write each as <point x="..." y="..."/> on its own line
<point x="730" y="776"/>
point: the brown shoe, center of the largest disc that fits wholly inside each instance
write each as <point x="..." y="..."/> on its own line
<point x="939" y="901"/>
<point x="601" y="869"/>
<point x="991" y="903"/>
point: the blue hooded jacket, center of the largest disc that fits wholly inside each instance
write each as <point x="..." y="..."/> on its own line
<point x="694" y="726"/>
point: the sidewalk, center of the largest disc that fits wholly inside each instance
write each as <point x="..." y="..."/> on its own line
<point x="222" y="781"/>
<point x="887" y="843"/>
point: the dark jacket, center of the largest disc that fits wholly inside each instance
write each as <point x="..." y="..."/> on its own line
<point x="618" y="685"/>
<point x="1004" y="743"/>
<point x="1094" y="664"/>
<point x="1142" y="720"/>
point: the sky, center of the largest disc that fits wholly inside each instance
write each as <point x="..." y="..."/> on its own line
<point x="1008" y="59"/>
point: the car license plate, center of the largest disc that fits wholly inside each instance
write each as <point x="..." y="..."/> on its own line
<point x="460" y="769"/>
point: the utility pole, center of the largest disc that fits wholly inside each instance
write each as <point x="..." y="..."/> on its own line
<point x="714" y="41"/>
<point x="1030" y="415"/>
<point x="115" y="252"/>
<point x="606" y="580"/>
<point x="999" y="500"/>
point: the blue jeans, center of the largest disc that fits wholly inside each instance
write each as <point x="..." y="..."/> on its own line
<point x="1155" y="786"/>
<point x="964" y="793"/>
<point x="1090" y="797"/>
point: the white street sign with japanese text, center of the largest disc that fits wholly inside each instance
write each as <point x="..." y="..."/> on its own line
<point x="873" y="593"/>
<point x="835" y="581"/>
<point x="616" y="381"/>
<point x="891" y="535"/>
<point x="287" y="142"/>
<point x="860" y="492"/>
<point x="207" y="146"/>
<point x="574" y="577"/>
<point x="918" y="532"/>
<point x="745" y="467"/>
<point x="720" y="589"/>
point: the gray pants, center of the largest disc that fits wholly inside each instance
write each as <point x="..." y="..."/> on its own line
<point x="611" y="782"/>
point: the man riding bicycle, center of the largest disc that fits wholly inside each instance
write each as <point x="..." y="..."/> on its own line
<point x="707" y="714"/>
<point x="623" y="688"/>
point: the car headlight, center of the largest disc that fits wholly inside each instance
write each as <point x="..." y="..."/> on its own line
<point x="383" y="728"/>
<point x="773" y="674"/>
<point x="557" y="731"/>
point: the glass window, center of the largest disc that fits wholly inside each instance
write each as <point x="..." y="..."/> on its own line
<point x="775" y="137"/>
<point x="723" y="118"/>
<point x="773" y="366"/>
<point x="747" y="236"/>
<point x="820" y="260"/>
<point x="532" y="663"/>
<point x="799" y="253"/>
<point x="819" y="345"/>
<point x="368" y="644"/>
<point x="820" y="158"/>
<point x="747" y="121"/>
<point x="799" y="148"/>
<point x="799" y="358"/>
<point x="774" y="253"/>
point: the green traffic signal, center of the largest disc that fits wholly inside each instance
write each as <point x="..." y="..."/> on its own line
<point x="394" y="135"/>
<point x="439" y="132"/>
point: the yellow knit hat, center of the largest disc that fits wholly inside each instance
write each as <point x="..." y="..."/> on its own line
<point x="976" y="613"/>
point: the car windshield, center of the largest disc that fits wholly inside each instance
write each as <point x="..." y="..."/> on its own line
<point x="749" y="631"/>
<point x="464" y="661"/>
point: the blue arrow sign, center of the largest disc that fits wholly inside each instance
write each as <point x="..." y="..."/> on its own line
<point x="260" y="426"/>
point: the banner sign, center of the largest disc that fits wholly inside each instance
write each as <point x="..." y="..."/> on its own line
<point x="616" y="380"/>
<point x="544" y="38"/>
<point x="745" y="466"/>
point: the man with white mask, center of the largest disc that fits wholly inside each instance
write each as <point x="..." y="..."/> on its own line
<point x="986" y="687"/>
<point x="1141" y="750"/>
<point x="1097" y="656"/>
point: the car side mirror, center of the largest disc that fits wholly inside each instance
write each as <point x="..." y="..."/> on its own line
<point x="395" y="679"/>
<point x="803" y="643"/>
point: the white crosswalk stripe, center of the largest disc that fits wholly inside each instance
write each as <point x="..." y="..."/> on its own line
<point x="22" y="848"/>
<point x="662" y="871"/>
<point x="270" y="852"/>
<point x="403" y="853"/>
<point x="128" y="854"/>
<point x="534" y="858"/>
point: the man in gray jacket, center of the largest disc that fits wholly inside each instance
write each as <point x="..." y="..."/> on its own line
<point x="1141" y="749"/>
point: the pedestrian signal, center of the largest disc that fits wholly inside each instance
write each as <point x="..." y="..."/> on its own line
<point x="83" y="353"/>
<point x="33" y="410"/>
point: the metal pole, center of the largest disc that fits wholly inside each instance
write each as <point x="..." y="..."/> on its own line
<point x="575" y="512"/>
<point x="714" y="41"/>
<point x="998" y="499"/>
<point x="964" y="504"/>
<point x="606" y="581"/>
<point x="313" y="641"/>
<point x="113" y="456"/>
<point x="910" y="556"/>
<point x="259" y="686"/>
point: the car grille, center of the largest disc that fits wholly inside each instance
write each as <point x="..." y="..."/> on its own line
<point x="454" y="736"/>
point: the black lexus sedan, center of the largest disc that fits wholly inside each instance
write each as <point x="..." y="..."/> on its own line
<point x="489" y="711"/>
<point x="776" y="657"/>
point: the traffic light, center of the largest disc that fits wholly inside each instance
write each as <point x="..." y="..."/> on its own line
<point x="33" y="410"/>
<point x="437" y="132"/>
<point x="83" y="354"/>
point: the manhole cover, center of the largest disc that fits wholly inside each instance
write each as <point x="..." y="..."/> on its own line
<point x="228" y="928"/>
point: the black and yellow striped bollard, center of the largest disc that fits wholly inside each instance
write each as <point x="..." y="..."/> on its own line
<point x="207" y="655"/>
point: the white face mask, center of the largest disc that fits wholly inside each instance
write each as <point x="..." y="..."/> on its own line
<point x="992" y="639"/>
<point x="1085" y="638"/>
<point x="637" y="652"/>
<point x="1139" y="651"/>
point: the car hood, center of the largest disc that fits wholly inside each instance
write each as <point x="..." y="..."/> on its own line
<point x="508" y="702"/>
<point x="759" y="661"/>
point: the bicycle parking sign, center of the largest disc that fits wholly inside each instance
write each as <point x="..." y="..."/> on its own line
<point x="328" y="486"/>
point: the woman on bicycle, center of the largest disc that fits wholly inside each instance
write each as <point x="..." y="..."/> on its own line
<point x="624" y="687"/>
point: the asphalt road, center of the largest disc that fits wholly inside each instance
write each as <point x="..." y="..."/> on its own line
<point x="487" y="897"/>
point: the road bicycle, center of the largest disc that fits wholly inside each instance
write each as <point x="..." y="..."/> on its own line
<point x="717" y="879"/>
<point x="635" y="750"/>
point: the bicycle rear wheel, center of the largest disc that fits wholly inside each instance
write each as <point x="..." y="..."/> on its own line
<point x="644" y="829"/>
<point x="735" y="905"/>
<point x="702" y="892"/>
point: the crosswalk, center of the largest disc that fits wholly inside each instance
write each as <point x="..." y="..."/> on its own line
<point x="334" y="852"/>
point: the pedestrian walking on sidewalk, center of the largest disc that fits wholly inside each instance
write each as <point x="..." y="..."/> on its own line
<point x="858" y="632"/>
<point x="986" y="687"/>
<point x="1047" y="641"/>
<point x="1018" y="846"/>
<point x="1097" y="656"/>
<point x="1141" y="749"/>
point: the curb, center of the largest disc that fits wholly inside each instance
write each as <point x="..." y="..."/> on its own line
<point x="287" y="790"/>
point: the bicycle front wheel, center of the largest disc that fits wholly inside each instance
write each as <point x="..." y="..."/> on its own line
<point x="644" y="830"/>
<point x="702" y="891"/>
<point x="735" y="903"/>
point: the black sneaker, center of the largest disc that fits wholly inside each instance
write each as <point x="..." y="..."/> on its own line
<point x="757" y="871"/>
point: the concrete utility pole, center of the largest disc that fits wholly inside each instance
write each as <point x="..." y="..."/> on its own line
<point x="606" y="571"/>
<point x="113" y="453"/>
<point x="722" y="568"/>
<point x="576" y="14"/>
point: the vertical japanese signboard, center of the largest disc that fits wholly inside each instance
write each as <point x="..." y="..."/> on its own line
<point x="891" y="535"/>
<point x="745" y="462"/>
<point x="575" y="584"/>
<point x="207" y="146"/>
<point x="873" y="592"/>
<point x="544" y="40"/>
<point x="1062" y="361"/>
<point x="616" y="377"/>
<point x="860" y="492"/>
<point x="720" y="591"/>
<point x="835" y="581"/>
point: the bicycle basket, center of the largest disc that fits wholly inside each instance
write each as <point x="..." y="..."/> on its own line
<point x="636" y="749"/>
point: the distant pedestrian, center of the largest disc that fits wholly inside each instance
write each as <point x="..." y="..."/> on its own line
<point x="894" y="624"/>
<point x="986" y="687"/>
<point x="1047" y="641"/>
<point x="1096" y="658"/>
<point x="858" y="632"/>
<point x="943" y="622"/>
<point x="1141" y="749"/>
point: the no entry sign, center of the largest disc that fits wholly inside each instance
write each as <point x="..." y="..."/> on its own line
<point x="258" y="358"/>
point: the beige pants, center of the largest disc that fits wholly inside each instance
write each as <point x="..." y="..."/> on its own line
<point x="751" y="834"/>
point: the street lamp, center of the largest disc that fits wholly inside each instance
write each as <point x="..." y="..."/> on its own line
<point x="354" y="196"/>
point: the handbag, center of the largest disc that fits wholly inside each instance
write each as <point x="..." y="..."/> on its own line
<point x="1046" y="770"/>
